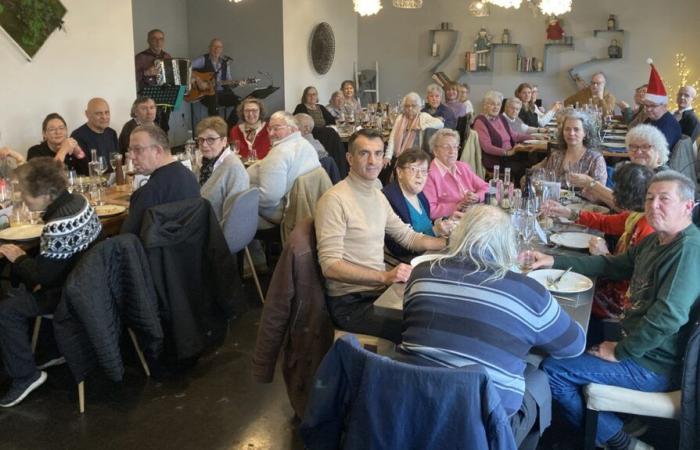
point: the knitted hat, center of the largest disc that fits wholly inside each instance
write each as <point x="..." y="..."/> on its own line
<point x="656" y="92"/>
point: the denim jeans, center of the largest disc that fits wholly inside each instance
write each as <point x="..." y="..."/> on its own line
<point x="568" y="376"/>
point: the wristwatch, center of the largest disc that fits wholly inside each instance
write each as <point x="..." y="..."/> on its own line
<point x="591" y="185"/>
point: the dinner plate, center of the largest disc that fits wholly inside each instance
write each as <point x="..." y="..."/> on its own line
<point x="422" y="258"/>
<point x="572" y="239"/>
<point x="590" y="207"/>
<point x="21" y="233"/>
<point x="109" y="210"/>
<point x="570" y="283"/>
<point x="534" y="142"/>
<point x="614" y="145"/>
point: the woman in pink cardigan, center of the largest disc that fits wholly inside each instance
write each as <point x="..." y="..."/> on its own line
<point x="451" y="185"/>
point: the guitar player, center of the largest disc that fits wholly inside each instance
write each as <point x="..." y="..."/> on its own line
<point x="215" y="61"/>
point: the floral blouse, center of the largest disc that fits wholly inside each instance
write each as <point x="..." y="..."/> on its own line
<point x="591" y="163"/>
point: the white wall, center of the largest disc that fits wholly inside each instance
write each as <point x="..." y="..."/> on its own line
<point x="252" y="36"/>
<point x="300" y="18"/>
<point x="92" y="57"/>
<point x="171" y="17"/>
<point x="399" y="40"/>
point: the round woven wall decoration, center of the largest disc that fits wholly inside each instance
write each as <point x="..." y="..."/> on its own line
<point x="322" y="47"/>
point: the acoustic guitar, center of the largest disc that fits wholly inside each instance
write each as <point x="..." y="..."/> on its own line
<point x="204" y="84"/>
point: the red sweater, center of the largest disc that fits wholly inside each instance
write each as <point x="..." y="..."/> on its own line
<point x="261" y="143"/>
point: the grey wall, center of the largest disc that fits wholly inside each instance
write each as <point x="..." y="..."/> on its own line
<point x="399" y="40"/>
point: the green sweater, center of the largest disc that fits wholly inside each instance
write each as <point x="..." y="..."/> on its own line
<point x="664" y="284"/>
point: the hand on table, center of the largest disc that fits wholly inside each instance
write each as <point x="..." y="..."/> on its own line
<point x="11" y="252"/>
<point x="551" y="208"/>
<point x="443" y="227"/>
<point x="606" y="351"/>
<point x="580" y="180"/>
<point x="510" y="152"/>
<point x="398" y="274"/>
<point x="597" y="246"/>
<point x="541" y="261"/>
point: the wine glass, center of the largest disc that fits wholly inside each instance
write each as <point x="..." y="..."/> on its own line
<point x="114" y="160"/>
<point x="72" y="177"/>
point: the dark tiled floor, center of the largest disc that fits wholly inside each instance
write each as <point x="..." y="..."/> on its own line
<point x="217" y="405"/>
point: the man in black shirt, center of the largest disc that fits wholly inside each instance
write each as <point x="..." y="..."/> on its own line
<point x="96" y="133"/>
<point x="169" y="180"/>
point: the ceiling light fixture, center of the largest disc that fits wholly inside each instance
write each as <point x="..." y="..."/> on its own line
<point x="506" y="3"/>
<point x="367" y="7"/>
<point x="479" y="9"/>
<point x="408" y="4"/>
<point x="555" y="7"/>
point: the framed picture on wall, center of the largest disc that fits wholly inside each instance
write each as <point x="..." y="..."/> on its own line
<point x="29" y="23"/>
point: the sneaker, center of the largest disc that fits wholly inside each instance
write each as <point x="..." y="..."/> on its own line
<point x="52" y="362"/>
<point x="18" y="391"/>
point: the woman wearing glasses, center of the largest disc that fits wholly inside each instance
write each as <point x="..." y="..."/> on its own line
<point x="451" y="185"/>
<point x="58" y="145"/>
<point x="222" y="175"/>
<point x="405" y="195"/>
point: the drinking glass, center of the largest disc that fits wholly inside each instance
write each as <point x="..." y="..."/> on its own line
<point x="234" y="147"/>
<point x="72" y="177"/>
<point x="525" y="257"/>
<point x="252" y="155"/>
<point x="114" y="160"/>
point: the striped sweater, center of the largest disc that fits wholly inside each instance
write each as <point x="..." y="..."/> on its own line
<point x="454" y="319"/>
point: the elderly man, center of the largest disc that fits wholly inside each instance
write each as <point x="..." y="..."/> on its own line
<point x="305" y="123"/>
<point x="146" y="72"/>
<point x="656" y="108"/>
<point x="351" y="220"/>
<point x="96" y="133"/>
<point x="685" y="115"/>
<point x="595" y="94"/>
<point x="214" y="61"/>
<point x="169" y="180"/>
<point x="434" y="106"/>
<point x="634" y="115"/>
<point x="664" y="286"/>
<point x="143" y="112"/>
<point x="290" y="157"/>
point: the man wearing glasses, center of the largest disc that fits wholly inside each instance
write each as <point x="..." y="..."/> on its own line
<point x="656" y="108"/>
<point x="290" y="157"/>
<point x="169" y="180"/>
<point x="594" y="94"/>
<point x="351" y="220"/>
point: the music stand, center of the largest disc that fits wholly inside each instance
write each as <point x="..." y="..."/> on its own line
<point x="262" y="93"/>
<point x="168" y="96"/>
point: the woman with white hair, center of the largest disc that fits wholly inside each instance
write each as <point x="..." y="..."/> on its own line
<point x="335" y="104"/>
<point x="467" y="307"/>
<point x="408" y="128"/>
<point x="497" y="139"/>
<point x="434" y="106"/>
<point x="646" y="145"/>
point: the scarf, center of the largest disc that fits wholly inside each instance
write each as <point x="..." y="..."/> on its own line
<point x="406" y="133"/>
<point x="208" y="168"/>
<point x="630" y="224"/>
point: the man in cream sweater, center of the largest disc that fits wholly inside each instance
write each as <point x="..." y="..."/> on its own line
<point x="351" y="220"/>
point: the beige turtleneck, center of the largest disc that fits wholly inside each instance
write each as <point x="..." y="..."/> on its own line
<point x="351" y="220"/>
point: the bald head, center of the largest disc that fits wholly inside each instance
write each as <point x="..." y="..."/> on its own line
<point x="685" y="97"/>
<point x="97" y="114"/>
<point x="216" y="48"/>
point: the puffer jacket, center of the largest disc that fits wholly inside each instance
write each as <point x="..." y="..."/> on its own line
<point x="110" y="284"/>
<point x="690" y="388"/>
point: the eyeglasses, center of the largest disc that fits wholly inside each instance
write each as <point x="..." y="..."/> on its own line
<point x="137" y="149"/>
<point x="54" y="130"/>
<point x="645" y="148"/>
<point x="597" y="83"/>
<point x="277" y="127"/>
<point x="415" y="170"/>
<point x="208" y="140"/>
<point x="448" y="146"/>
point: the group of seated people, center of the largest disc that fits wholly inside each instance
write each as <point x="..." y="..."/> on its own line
<point x="430" y="204"/>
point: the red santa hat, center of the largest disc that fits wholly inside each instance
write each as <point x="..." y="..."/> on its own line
<point x="656" y="92"/>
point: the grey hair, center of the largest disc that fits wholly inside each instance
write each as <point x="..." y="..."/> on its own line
<point x="514" y="100"/>
<point x="412" y="96"/>
<point x="140" y="100"/>
<point x="602" y="75"/>
<point x="590" y="138"/>
<point x="440" y="134"/>
<point x="157" y="135"/>
<point x="693" y="93"/>
<point x="435" y="88"/>
<point x="303" y="121"/>
<point x="494" y="96"/>
<point x="485" y="237"/>
<point x="653" y="136"/>
<point x="684" y="185"/>
<point x="334" y="95"/>
<point x="287" y="117"/>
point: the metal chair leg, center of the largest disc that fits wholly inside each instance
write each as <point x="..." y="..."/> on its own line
<point x="144" y="364"/>
<point x="255" y="274"/>
<point x="591" y="427"/>
<point x="81" y="397"/>
<point x="35" y="333"/>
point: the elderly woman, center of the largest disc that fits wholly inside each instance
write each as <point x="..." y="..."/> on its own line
<point x="222" y="175"/>
<point x="464" y="98"/>
<point x="452" y="100"/>
<point x="468" y="308"/>
<point x="434" y="106"/>
<point x="577" y="135"/>
<point x="451" y="184"/>
<point x="309" y="105"/>
<point x="497" y="139"/>
<point x="629" y="193"/>
<point x="70" y="228"/>
<point x="408" y="127"/>
<point x="511" y="113"/>
<point x="351" y="104"/>
<point x="646" y="145"/>
<point x="405" y="195"/>
<point x="335" y="104"/>
<point x="58" y="145"/>
<point x="251" y="132"/>
<point x="543" y="118"/>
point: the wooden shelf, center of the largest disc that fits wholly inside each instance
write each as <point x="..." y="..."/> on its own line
<point x="595" y="32"/>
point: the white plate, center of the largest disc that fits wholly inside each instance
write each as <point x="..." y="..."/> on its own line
<point x="571" y="283"/>
<point x="589" y="207"/>
<point x="422" y="258"/>
<point x="614" y="145"/>
<point x="572" y="239"/>
<point x="21" y="233"/>
<point x="109" y="210"/>
<point x="534" y="142"/>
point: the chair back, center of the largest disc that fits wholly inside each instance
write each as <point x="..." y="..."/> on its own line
<point x="242" y="220"/>
<point x="330" y="139"/>
<point x="425" y="139"/>
<point x="471" y="153"/>
<point x="683" y="158"/>
<point x="302" y="199"/>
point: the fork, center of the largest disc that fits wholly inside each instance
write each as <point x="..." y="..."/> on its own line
<point x="553" y="282"/>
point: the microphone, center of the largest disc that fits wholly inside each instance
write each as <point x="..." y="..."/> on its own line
<point x="267" y="75"/>
<point x="227" y="58"/>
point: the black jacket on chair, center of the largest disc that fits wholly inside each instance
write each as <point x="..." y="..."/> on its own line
<point x="690" y="388"/>
<point x="196" y="278"/>
<point x="111" y="283"/>
<point x="330" y="139"/>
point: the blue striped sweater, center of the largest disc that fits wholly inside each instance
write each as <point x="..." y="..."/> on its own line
<point x="455" y="319"/>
